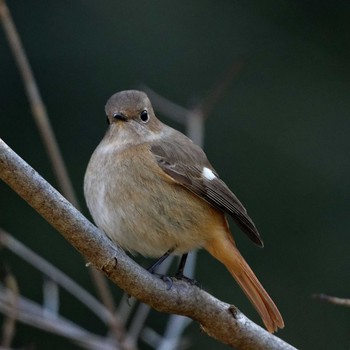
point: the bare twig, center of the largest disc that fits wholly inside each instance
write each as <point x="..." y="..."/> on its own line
<point x="139" y="320"/>
<point x="8" y="329"/>
<point x="155" y="340"/>
<point x="191" y="118"/>
<point x="151" y="337"/>
<point x="165" y="106"/>
<point x="194" y="117"/>
<point x="195" y="127"/>
<point x="55" y="274"/>
<point x="32" y="314"/>
<point x="127" y="304"/>
<point x="43" y="123"/>
<point x="125" y="307"/>
<point x="50" y="297"/>
<point x="208" y="104"/>
<point x="332" y="300"/>
<point x="220" y="320"/>
<point x="67" y="283"/>
<point x="177" y="324"/>
<point x="172" y="336"/>
<point x="36" y="104"/>
<point x="105" y="295"/>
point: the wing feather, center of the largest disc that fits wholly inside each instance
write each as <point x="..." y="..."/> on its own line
<point x="184" y="162"/>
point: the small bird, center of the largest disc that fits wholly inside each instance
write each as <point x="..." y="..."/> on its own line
<point x="154" y="192"/>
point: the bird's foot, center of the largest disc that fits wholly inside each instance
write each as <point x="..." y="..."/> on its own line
<point x="168" y="280"/>
<point x="182" y="277"/>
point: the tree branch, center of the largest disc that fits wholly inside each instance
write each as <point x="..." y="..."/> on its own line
<point x="218" y="319"/>
<point x="48" y="137"/>
<point x="36" y="104"/>
<point x="31" y="313"/>
<point x="8" y="241"/>
<point x="332" y="300"/>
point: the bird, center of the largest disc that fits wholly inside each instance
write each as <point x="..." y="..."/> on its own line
<point x="154" y="193"/>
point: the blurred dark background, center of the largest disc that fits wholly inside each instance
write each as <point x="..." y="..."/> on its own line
<point x="279" y="137"/>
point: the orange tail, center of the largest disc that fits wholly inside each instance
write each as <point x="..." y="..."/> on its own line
<point x="224" y="249"/>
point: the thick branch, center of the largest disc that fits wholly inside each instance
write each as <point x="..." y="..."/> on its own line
<point x="220" y="320"/>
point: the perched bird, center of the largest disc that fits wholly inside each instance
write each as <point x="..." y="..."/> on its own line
<point x="154" y="192"/>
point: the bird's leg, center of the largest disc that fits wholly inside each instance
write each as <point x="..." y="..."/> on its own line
<point x="181" y="268"/>
<point x="154" y="266"/>
<point x="158" y="262"/>
<point x="180" y="272"/>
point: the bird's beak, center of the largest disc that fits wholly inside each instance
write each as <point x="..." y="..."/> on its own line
<point x="119" y="116"/>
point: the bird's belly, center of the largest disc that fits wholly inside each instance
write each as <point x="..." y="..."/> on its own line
<point x="148" y="223"/>
<point x="145" y="214"/>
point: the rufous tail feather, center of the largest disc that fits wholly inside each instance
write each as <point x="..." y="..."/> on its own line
<point x="224" y="249"/>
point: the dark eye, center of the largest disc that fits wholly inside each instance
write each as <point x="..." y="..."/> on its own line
<point x="144" y="116"/>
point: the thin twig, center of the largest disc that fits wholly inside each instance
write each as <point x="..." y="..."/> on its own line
<point x="172" y="335"/>
<point x="43" y="123"/>
<point x="66" y="283"/>
<point x="36" y="104"/>
<point x="125" y="307"/>
<point x="55" y="274"/>
<point x="332" y="300"/>
<point x="8" y="329"/>
<point x="195" y="126"/>
<point x="191" y="118"/>
<point x="143" y="310"/>
<point x="50" y="297"/>
<point x="220" y="320"/>
<point x="116" y="324"/>
<point x="151" y="337"/>
<point x="32" y="314"/>
<point x="165" y="106"/>
<point x="139" y="320"/>
<point x="177" y="324"/>
<point x="105" y="295"/>
<point x="155" y="340"/>
<point x="194" y="117"/>
<point x="208" y="104"/>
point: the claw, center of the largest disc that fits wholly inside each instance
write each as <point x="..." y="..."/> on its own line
<point x="181" y="277"/>
<point x="165" y="278"/>
<point x="168" y="281"/>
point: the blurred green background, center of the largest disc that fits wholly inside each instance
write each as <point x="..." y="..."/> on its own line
<point x="279" y="137"/>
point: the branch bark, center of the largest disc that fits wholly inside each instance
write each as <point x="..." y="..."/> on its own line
<point x="218" y="319"/>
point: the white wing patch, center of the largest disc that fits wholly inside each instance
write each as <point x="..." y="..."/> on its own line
<point x="208" y="174"/>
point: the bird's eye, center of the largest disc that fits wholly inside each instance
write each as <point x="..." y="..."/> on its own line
<point x="144" y="116"/>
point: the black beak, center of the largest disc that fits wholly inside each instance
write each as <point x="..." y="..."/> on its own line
<point x="120" y="116"/>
